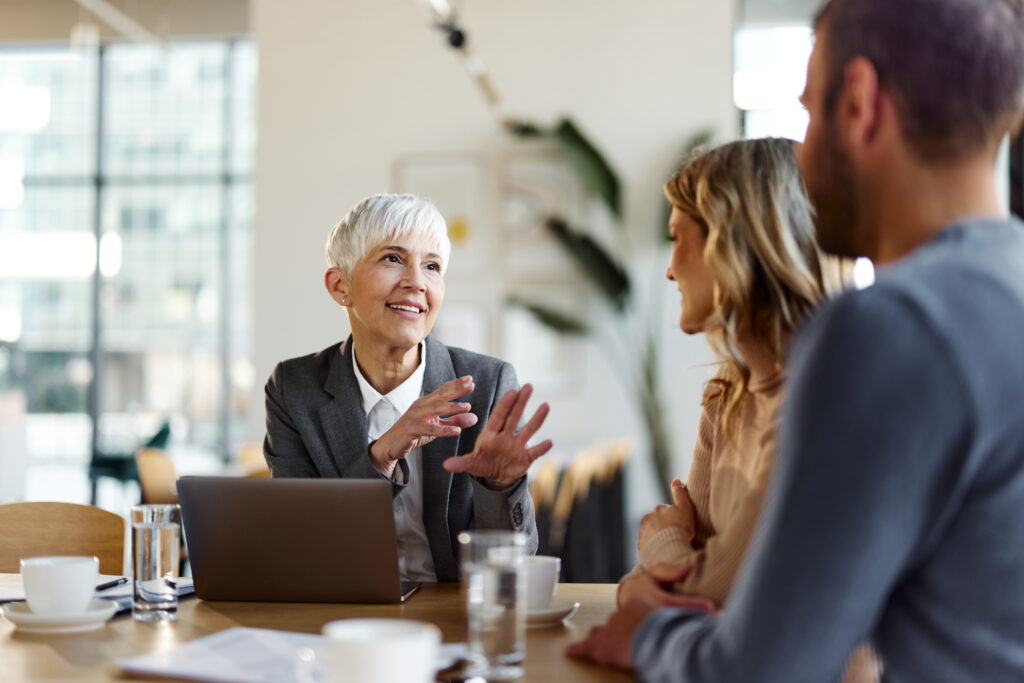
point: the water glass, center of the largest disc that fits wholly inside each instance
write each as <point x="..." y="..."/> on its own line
<point x="156" y="539"/>
<point x="494" y="577"/>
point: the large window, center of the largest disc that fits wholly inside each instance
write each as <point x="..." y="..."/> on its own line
<point x="125" y="193"/>
<point x="770" y="73"/>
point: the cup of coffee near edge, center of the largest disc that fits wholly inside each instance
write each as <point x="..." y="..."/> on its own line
<point x="60" y="586"/>
<point x="373" y="651"/>
<point x="541" y="580"/>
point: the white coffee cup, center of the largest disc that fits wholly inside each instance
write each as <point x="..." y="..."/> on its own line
<point x="59" y="586"/>
<point x="541" y="580"/>
<point x="374" y="651"/>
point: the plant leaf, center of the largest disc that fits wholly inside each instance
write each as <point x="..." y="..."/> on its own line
<point x="590" y="165"/>
<point x="698" y="141"/>
<point x="523" y="129"/>
<point x="549" y="317"/>
<point x="609" y="277"/>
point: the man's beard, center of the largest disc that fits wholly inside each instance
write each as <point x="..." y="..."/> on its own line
<point x="833" y="195"/>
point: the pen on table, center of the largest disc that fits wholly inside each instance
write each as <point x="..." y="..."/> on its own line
<point x="101" y="587"/>
<point x="111" y="584"/>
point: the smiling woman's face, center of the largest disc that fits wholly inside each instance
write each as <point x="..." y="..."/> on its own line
<point x="394" y="293"/>
<point x="693" y="278"/>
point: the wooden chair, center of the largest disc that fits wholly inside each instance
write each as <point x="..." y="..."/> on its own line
<point x="159" y="486"/>
<point x="39" y="529"/>
<point x="157" y="476"/>
<point x="120" y="465"/>
<point x="250" y="457"/>
<point x="258" y="474"/>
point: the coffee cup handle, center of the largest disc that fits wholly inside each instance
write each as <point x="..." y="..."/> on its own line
<point x="309" y="666"/>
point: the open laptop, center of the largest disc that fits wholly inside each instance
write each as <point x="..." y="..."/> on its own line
<point x="291" y="540"/>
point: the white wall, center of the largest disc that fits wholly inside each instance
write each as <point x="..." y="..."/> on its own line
<point x="346" y="88"/>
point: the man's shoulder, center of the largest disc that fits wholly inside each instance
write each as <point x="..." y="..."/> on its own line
<point x="956" y="276"/>
<point x="974" y="251"/>
<point x="954" y="307"/>
<point x="965" y="279"/>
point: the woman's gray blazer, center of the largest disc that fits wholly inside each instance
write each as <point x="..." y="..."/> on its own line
<point x="316" y="427"/>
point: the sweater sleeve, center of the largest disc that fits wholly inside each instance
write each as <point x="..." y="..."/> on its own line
<point x="672" y="545"/>
<point x="874" y="432"/>
<point x="698" y="481"/>
<point x="713" y="565"/>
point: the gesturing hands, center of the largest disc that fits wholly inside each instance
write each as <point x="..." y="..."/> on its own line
<point x="424" y="422"/>
<point x="501" y="455"/>
<point x="679" y="514"/>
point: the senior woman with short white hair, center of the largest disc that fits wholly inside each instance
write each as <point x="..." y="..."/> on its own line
<point x="386" y="403"/>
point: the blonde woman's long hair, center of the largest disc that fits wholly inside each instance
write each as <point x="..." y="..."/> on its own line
<point x="750" y="203"/>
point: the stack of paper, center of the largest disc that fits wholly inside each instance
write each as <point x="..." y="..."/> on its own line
<point x="248" y="655"/>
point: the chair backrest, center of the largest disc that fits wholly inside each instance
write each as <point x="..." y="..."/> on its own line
<point x="39" y="529"/>
<point x="157" y="476"/>
<point x="250" y="457"/>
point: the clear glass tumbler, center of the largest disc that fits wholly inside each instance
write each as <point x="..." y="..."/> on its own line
<point x="494" y="578"/>
<point x="156" y="540"/>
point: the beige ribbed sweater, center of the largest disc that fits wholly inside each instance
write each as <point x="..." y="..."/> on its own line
<point x="727" y="482"/>
<point x="728" y="478"/>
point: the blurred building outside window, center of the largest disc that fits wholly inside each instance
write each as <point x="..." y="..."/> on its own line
<point x="125" y="249"/>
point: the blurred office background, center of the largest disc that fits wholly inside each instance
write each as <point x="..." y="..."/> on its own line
<point x="169" y="171"/>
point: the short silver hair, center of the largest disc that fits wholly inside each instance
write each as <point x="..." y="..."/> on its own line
<point x="383" y="217"/>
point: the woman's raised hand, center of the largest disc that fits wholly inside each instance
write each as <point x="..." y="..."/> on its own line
<point x="501" y="455"/>
<point x="429" y="417"/>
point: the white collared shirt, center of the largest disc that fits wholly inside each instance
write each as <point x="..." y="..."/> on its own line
<point x="415" y="562"/>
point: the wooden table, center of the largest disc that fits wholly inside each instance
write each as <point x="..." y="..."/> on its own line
<point x="91" y="656"/>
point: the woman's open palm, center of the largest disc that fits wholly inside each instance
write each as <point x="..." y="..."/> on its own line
<point x="501" y="454"/>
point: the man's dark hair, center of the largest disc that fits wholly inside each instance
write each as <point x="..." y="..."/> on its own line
<point x="954" y="68"/>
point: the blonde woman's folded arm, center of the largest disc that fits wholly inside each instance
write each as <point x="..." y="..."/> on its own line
<point x="714" y="566"/>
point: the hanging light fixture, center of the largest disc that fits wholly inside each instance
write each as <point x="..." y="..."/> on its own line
<point x="445" y="19"/>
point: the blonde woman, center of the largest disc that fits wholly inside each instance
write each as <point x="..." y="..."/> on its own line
<point x="748" y="270"/>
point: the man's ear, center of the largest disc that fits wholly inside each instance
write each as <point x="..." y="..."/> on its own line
<point x="337" y="286"/>
<point x="860" y="110"/>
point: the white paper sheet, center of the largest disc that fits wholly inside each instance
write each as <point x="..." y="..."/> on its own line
<point x="246" y="655"/>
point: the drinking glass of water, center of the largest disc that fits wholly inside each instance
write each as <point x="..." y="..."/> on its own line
<point x="156" y="539"/>
<point x="494" y="577"/>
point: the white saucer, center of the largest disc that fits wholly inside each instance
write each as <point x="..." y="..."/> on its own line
<point x="95" y="615"/>
<point x="552" y="615"/>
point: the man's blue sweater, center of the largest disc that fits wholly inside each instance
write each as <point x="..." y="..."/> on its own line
<point x="896" y="512"/>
